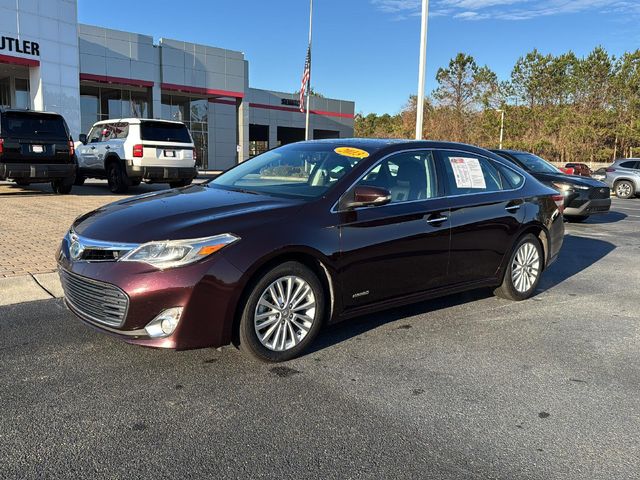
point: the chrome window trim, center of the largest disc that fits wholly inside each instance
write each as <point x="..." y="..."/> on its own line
<point x="334" y="208"/>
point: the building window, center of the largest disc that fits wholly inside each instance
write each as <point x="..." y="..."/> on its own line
<point x="23" y="99"/>
<point x="194" y="113"/>
<point x="258" y="139"/>
<point x="104" y="103"/>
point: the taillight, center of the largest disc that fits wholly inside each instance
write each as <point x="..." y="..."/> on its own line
<point x="72" y="149"/>
<point x="610" y="170"/>
<point x="559" y="199"/>
<point x="138" y="151"/>
<point x="195" y="156"/>
<point x="1" y="145"/>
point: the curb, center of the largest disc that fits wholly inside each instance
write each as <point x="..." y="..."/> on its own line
<point x="29" y="288"/>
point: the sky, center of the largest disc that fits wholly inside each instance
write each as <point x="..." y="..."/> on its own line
<point x="367" y="50"/>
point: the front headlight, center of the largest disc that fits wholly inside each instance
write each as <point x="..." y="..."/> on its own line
<point x="568" y="187"/>
<point x="177" y="253"/>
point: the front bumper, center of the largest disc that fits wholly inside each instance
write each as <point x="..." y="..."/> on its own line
<point x="589" y="207"/>
<point x="207" y="291"/>
<point x="36" y="172"/>
<point x="161" y="174"/>
<point x="580" y="203"/>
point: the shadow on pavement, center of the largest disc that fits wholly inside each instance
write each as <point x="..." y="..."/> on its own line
<point x="577" y="254"/>
<point x="610" y="217"/>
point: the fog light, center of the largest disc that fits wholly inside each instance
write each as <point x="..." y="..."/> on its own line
<point x="165" y="323"/>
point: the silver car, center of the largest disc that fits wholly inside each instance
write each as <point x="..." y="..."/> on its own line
<point x="623" y="177"/>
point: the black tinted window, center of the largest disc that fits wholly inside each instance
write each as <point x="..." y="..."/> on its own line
<point x="27" y="125"/>
<point x="164" y="132"/>
<point x="629" y="164"/>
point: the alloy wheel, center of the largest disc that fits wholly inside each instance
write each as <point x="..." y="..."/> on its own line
<point x="623" y="189"/>
<point x="525" y="267"/>
<point x="285" y="313"/>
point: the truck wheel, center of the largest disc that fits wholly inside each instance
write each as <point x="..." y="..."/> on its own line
<point x="62" y="186"/>
<point x="79" y="180"/>
<point x="135" y="181"/>
<point x="117" y="178"/>
<point x="180" y="183"/>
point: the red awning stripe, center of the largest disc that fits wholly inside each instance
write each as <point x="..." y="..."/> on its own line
<point x="293" y="109"/>
<point x="132" y="82"/>
<point x="25" y="62"/>
<point x="201" y="91"/>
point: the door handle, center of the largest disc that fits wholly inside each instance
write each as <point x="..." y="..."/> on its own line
<point x="513" y="208"/>
<point x="437" y="220"/>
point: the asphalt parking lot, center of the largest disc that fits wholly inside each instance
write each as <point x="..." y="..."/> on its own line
<point x="468" y="386"/>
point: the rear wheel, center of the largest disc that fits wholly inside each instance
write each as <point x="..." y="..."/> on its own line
<point x="62" y="186"/>
<point x="523" y="271"/>
<point x="180" y="183"/>
<point x="282" y="314"/>
<point x="79" y="180"/>
<point x="135" y="181"/>
<point x="117" y="178"/>
<point x="624" y="189"/>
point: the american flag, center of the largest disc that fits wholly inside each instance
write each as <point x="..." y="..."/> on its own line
<point x="306" y="75"/>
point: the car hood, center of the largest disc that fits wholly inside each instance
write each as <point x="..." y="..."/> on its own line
<point x="191" y="212"/>
<point x="548" y="178"/>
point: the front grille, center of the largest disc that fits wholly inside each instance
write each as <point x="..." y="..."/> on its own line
<point x="100" y="255"/>
<point x="95" y="301"/>
<point x="599" y="193"/>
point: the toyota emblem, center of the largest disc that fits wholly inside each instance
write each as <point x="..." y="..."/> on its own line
<point x="75" y="250"/>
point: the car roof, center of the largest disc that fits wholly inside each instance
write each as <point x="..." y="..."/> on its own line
<point x="373" y="145"/>
<point x="620" y="160"/>
<point x="136" y="121"/>
<point x="26" y="110"/>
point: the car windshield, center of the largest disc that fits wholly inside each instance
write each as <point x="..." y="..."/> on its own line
<point x="29" y="125"/>
<point x="535" y="164"/>
<point x="298" y="171"/>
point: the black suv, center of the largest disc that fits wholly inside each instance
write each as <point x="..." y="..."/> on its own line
<point x="583" y="196"/>
<point x="36" y="147"/>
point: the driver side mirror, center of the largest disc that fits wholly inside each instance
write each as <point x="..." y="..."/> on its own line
<point x="365" y="196"/>
<point x="83" y="138"/>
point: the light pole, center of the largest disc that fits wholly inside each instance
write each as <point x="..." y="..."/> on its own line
<point x="421" y="75"/>
<point x="501" y="111"/>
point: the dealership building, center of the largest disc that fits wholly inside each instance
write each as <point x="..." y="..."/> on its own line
<point x="49" y="62"/>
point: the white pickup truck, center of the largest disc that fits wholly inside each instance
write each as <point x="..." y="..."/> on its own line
<point x="128" y="151"/>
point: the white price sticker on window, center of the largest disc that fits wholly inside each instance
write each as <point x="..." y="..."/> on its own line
<point x="468" y="172"/>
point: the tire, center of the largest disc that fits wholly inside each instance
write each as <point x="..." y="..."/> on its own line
<point x="282" y="325"/>
<point x="180" y="183"/>
<point x="117" y="178"/>
<point x="518" y="288"/>
<point x="22" y="183"/>
<point x="624" y="189"/>
<point x="62" y="186"/>
<point x="576" y="218"/>
<point x="135" y="182"/>
<point x="79" y="181"/>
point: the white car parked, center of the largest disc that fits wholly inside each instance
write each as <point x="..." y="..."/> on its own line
<point x="128" y="151"/>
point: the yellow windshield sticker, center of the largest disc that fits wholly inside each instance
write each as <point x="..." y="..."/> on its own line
<point x="351" y="152"/>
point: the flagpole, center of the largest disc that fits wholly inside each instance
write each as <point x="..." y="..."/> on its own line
<point x="421" y="75"/>
<point x="306" y="130"/>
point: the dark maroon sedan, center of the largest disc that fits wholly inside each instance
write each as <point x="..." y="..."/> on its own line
<point x="308" y="234"/>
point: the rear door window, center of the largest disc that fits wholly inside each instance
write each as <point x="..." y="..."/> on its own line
<point x="467" y="173"/>
<point x="164" y="132"/>
<point x="632" y="164"/>
<point x="30" y="125"/>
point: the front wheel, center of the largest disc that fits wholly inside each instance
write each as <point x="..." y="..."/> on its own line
<point x="624" y="189"/>
<point x="523" y="271"/>
<point x="282" y="314"/>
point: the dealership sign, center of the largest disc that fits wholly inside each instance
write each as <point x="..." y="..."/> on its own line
<point x="11" y="44"/>
<point x="290" y="101"/>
